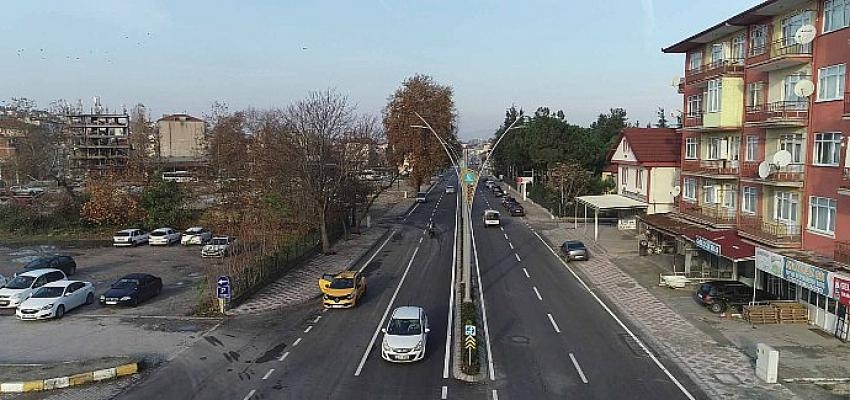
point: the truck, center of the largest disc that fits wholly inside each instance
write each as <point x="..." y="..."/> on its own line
<point x="342" y="290"/>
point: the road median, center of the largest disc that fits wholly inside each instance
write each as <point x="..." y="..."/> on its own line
<point x="42" y="377"/>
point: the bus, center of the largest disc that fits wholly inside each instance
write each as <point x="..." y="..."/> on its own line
<point x="178" y="176"/>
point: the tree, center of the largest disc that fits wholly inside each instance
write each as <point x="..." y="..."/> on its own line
<point x="162" y="203"/>
<point x="143" y="145"/>
<point x="569" y="180"/>
<point x="662" y="119"/>
<point x="416" y="147"/>
<point x="35" y="154"/>
<point x="109" y="204"/>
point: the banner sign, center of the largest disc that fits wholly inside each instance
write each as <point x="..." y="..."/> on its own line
<point x="807" y="276"/>
<point x="707" y="245"/>
<point x="770" y="262"/>
<point x="841" y="290"/>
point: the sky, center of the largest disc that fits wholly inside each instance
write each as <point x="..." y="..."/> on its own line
<point x="580" y="57"/>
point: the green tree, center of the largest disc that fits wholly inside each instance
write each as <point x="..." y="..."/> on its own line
<point x="662" y="119"/>
<point x="162" y="203"/>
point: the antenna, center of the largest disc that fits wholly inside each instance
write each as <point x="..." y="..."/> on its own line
<point x="764" y="169"/>
<point x="804" y="88"/>
<point x="675" y="81"/>
<point x="782" y="158"/>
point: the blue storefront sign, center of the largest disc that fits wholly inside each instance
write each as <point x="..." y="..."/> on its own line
<point x="807" y="276"/>
<point x="707" y="245"/>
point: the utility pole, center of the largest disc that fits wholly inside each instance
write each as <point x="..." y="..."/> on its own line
<point x="467" y="232"/>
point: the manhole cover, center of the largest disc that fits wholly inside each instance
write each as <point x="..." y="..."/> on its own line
<point x="520" y="339"/>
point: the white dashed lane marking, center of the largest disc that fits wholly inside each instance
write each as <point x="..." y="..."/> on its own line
<point x="250" y="394"/>
<point x="296" y="342"/>
<point x="517" y="257"/>
<point x="309" y="328"/>
<point x="525" y="271"/>
<point x="266" y="376"/>
<point x="537" y="292"/>
<point x="283" y="357"/>
<point x="554" y="325"/>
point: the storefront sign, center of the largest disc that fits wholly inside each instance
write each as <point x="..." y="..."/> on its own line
<point x="627" y="223"/>
<point x="707" y="245"/>
<point x="770" y="262"/>
<point x="807" y="276"/>
<point x="841" y="290"/>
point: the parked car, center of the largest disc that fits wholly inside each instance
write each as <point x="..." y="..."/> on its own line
<point x="574" y="250"/>
<point x="65" y="264"/>
<point x="163" y="237"/>
<point x="422" y="197"/>
<point x="2" y="281"/>
<point x="489" y="184"/>
<point x="450" y="189"/>
<point x="516" y="210"/>
<point x="132" y="290"/>
<point x="720" y="295"/>
<point x="23" y="191"/>
<point x="54" y="299"/>
<point x="130" y="237"/>
<point x="219" y="246"/>
<point x="24" y="284"/>
<point x="196" y="235"/>
<point x="491" y="218"/>
<point x="406" y="335"/>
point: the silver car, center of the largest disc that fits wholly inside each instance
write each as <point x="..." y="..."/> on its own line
<point x="574" y="250"/>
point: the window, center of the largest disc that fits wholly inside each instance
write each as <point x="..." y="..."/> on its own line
<point x="755" y="95"/>
<point x="625" y="176"/>
<point x="785" y="207"/>
<point x="695" y="61"/>
<point x="730" y="193"/>
<point x="714" y="145"/>
<point x="792" y="143"/>
<point x="738" y="48"/>
<point x="791" y="24"/>
<point x="717" y="54"/>
<point x="734" y="148"/>
<point x="691" y="148"/>
<point x="836" y="14"/>
<point x="827" y="148"/>
<point x="752" y="148"/>
<point x="791" y="98"/>
<point x="713" y="95"/>
<point x="749" y="198"/>
<point x="690" y="189"/>
<point x="822" y="214"/>
<point x="758" y="40"/>
<point x="831" y="82"/>
<point x="694" y="106"/>
<point x="709" y="193"/>
<point x="639" y="178"/>
<point x="625" y="146"/>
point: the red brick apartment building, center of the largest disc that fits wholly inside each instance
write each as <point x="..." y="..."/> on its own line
<point x="765" y="151"/>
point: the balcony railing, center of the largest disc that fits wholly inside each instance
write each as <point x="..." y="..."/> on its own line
<point x="719" y="167"/>
<point x="782" y="48"/>
<point x="846" y="104"/>
<point x="789" y="173"/>
<point x="796" y="111"/>
<point x="769" y="231"/>
<point x="693" y="120"/>
<point x="732" y="66"/>
<point x="842" y="252"/>
<point x="713" y="214"/>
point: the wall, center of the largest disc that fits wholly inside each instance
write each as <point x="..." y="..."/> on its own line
<point x="661" y="183"/>
<point x="181" y="138"/>
<point x="731" y="104"/>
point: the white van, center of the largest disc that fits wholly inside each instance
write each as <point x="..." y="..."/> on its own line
<point x="24" y="284"/>
<point x="491" y="218"/>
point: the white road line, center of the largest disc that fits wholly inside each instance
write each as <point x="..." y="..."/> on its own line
<point x="296" y="342"/>
<point x="506" y="236"/>
<point x="578" y="368"/>
<point x="266" y="376"/>
<point x="390" y="236"/>
<point x="517" y="257"/>
<point x="490" y="364"/>
<point x="309" y="328"/>
<point x="420" y="239"/>
<point x="446" y="360"/>
<point x="411" y="211"/>
<point x="511" y="244"/>
<point x="554" y="325"/>
<point x="620" y="322"/>
<point x="502" y="228"/>
<point x="283" y="357"/>
<point x="250" y="394"/>
<point x="526" y="272"/>
<point x="495" y="395"/>
<point x="384" y="317"/>
<point x="318" y="317"/>
<point x="444" y="393"/>
<point x="537" y="292"/>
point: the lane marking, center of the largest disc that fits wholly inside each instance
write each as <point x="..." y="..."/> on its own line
<point x="554" y="325"/>
<point x="506" y="236"/>
<point x="578" y="368"/>
<point x="619" y="322"/>
<point x="420" y="239"/>
<point x="502" y="228"/>
<point x="296" y="342"/>
<point x="490" y="364"/>
<point x="526" y="272"/>
<point x="537" y="292"/>
<point x="390" y="236"/>
<point x="511" y="244"/>
<point x="411" y="211"/>
<point x="495" y="395"/>
<point x="384" y="317"/>
<point x="318" y="317"/>
<point x="444" y="393"/>
<point x="517" y="257"/>
<point x="266" y="376"/>
<point x="283" y="357"/>
<point x="309" y="328"/>
<point x="446" y="360"/>
<point x="250" y="394"/>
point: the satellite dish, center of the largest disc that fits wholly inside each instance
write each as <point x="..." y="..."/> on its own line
<point x="677" y="190"/>
<point x="805" y="34"/>
<point x="675" y="81"/>
<point x="782" y="158"/>
<point x="764" y="169"/>
<point x="804" y="88"/>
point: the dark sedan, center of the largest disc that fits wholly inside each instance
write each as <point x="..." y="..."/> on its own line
<point x="64" y="263"/>
<point x="132" y="290"/>
<point x="516" y="210"/>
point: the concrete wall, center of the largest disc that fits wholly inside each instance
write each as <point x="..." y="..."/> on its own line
<point x="661" y="183"/>
<point x="181" y="138"/>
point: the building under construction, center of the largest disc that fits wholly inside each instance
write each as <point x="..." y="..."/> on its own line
<point x="99" y="142"/>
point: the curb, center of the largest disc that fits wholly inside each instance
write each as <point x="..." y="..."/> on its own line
<point x="71" y="380"/>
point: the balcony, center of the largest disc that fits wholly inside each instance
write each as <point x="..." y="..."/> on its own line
<point x="713" y="215"/>
<point x="846" y="105"/>
<point x="693" y="120"/>
<point x="791" y="175"/>
<point x="778" y="114"/>
<point x="842" y="252"/>
<point x="714" y="69"/>
<point x="720" y="169"/>
<point x="780" y="54"/>
<point x="770" y="232"/>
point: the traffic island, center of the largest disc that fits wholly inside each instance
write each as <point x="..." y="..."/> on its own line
<point x="20" y="378"/>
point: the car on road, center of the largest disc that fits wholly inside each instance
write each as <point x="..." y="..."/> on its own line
<point x="489" y="184"/>
<point x="516" y="210"/>
<point x="24" y="284"/>
<point x="422" y="197"/>
<point x="406" y="335"/>
<point x="196" y="235"/>
<point x="23" y="191"/>
<point x="507" y="201"/>
<point x="491" y="218"/>
<point x="132" y="290"/>
<point x="65" y="264"/>
<point x="54" y="299"/>
<point x="129" y="237"/>
<point x="342" y="290"/>
<point x="718" y="296"/>
<point x="219" y="246"/>
<point x="450" y="189"/>
<point x="163" y="237"/>
<point x="574" y="250"/>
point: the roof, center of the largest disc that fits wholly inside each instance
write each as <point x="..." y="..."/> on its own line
<point x="60" y="283"/>
<point x="346" y="274"/>
<point x="179" y="117"/>
<point x="731" y="245"/>
<point x="652" y="146"/>
<point x="407" y="312"/>
<point x="611" y="202"/>
<point x="38" y="272"/>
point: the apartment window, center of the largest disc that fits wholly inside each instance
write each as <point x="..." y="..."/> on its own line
<point x="749" y="199"/>
<point x="827" y="148"/>
<point x="822" y="214"/>
<point x="714" y="145"/>
<point x="791" y="98"/>
<point x="791" y="24"/>
<point x="689" y="191"/>
<point x="734" y="148"/>
<point x="785" y="207"/>
<point x="831" y="82"/>
<point x="738" y="52"/>
<point x="792" y="143"/>
<point x="717" y="54"/>
<point x="639" y="178"/>
<point x="836" y="14"/>
<point x="709" y="192"/>
<point x="691" y="148"/>
<point x="758" y="40"/>
<point x="713" y="95"/>
<point x="694" y="105"/>
<point x="755" y="95"/>
<point x="752" y="148"/>
<point x="695" y="61"/>
<point x="730" y="193"/>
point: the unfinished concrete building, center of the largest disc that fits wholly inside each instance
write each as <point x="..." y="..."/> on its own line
<point x="99" y="142"/>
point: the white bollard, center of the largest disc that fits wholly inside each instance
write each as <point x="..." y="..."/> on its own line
<point x="767" y="363"/>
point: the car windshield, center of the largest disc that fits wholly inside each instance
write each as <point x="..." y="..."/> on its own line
<point x="36" y="263"/>
<point x="193" y="231"/>
<point x="122" y="234"/>
<point x="421" y="194"/>
<point x="46" y="292"/>
<point x="20" y="282"/>
<point x="342" y="283"/>
<point x="158" y="233"/>
<point x="491" y="216"/>
<point x="126" y="283"/>
<point x="575" y="245"/>
<point x="218" y="242"/>
<point x="404" y="327"/>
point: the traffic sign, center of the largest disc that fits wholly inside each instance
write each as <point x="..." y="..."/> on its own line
<point x="223" y="287"/>
<point x="469" y="343"/>
<point x="223" y="281"/>
<point x="469" y="177"/>
<point x="469" y="330"/>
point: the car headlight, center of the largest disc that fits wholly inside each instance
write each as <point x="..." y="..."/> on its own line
<point x="125" y="298"/>
<point x="102" y="298"/>
<point x="349" y="296"/>
<point x="386" y="346"/>
<point x="418" y="346"/>
<point x="47" y="307"/>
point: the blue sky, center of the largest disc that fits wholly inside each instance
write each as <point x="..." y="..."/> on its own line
<point x="583" y="57"/>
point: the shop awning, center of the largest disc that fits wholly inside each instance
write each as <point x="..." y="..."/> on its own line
<point x="605" y="202"/>
<point x="725" y="243"/>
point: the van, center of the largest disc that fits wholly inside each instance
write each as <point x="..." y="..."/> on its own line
<point x="491" y="218"/>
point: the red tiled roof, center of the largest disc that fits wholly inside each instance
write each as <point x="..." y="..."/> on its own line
<point x="731" y="245"/>
<point x="653" y="146"/>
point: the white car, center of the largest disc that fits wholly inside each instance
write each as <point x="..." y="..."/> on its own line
<point x="24" y="284"/>
<point x="54" y="299"/>
<point x="406" y="335"/>
<point x="129" y="237"/>
<point x="196" y="235"/>
<point x="450" y="189"/>
<point x="163" y="237"/>
<point x="491" y="218"/>
<point x="219" y="246"/>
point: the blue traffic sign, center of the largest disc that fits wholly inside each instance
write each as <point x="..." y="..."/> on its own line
<point x="223" y="281"/>
<point x="469" y="330"/>
<point x="224" y="292"/>
<point x="469" y="177"/>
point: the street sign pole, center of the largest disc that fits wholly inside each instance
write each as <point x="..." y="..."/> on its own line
<point x="224" y="292"/>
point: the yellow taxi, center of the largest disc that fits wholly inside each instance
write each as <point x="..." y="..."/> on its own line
<point x="342" y="290"/>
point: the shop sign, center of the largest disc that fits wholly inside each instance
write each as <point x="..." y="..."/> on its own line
<point x="770" y="262"/>
<point x="707" y="245"/>
<point x="807" y="276"/>
<point x="841" y="290"/>
<point x="626" y="224"/>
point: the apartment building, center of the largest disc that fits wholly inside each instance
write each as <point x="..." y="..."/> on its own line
<point x="99" y="142"/>
<point x="764" y="148"/>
